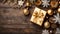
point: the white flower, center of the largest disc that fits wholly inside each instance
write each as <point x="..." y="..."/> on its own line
<point x="57" y="31"/>
<point x="57" y="18"/>
<point x="20" y="3"/>
<point x="45" y="3"/>
<point x="45" y="32"/>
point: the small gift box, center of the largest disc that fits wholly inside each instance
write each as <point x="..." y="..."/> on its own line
<point x="38" y="16"/>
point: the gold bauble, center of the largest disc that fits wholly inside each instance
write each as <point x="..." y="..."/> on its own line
<point x="46" y="24"/>
<point x="38" y="2"/>
<point x="59" y="10"/>
<point x="53" y="25"/>
<point x="28" y="4"/>
<point x="59" y="2"/>
<point x="54" y="4"/>
<point x="50" y="12"/>
<point x="26" y="12"/>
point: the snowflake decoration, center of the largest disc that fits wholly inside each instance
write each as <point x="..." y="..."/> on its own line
<point x="45" y="3"/>
<point x="57" y="31"/>
<point x="20" y="3"/>
<point x="57" y="18"/>
<point x="45" y="32"/>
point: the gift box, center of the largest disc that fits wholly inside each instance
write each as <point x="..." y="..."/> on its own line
<point x="38" y="16"/>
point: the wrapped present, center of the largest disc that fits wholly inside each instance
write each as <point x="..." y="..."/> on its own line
<point x="38" y="16"/>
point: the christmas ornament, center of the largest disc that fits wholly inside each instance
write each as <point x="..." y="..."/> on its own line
<point x="51" y="20"/>
<point x="54" y="4"/>
<point x="27" y="4"/>
<point x="20" y="3"/>
<point x="37" y="2"/>
<point x="46" y="24"/>
<point x="50" y="12"/>
<point x="45" y="32"/>
<point x="53" y="25"/>
<point x="59" y="10"/>
<point x="38" y="16"/>
<point x="26" y="12"/>
<point x="45" y="3"/>
<point x="57" y="18"/>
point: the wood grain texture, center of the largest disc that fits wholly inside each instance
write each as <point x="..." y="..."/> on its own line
<point x="13" y="21"/>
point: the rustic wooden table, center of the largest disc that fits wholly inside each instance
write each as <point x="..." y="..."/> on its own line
<point x="13" y="21"/>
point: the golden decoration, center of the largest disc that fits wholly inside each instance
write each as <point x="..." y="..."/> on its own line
<point x="46" y="24"/>
<point x="38" y="16"/>
<point x="59" y="10"/>
<point x="25" y="11"/>
<point x="38" y="2"/>
<point x="50" y="12"/>
<point x="54" y="4"/>
<point x="59" y="2"/>
<point x="27" y="4"/>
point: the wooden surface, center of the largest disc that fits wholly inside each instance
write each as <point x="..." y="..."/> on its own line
<point x="13" y="21"/>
